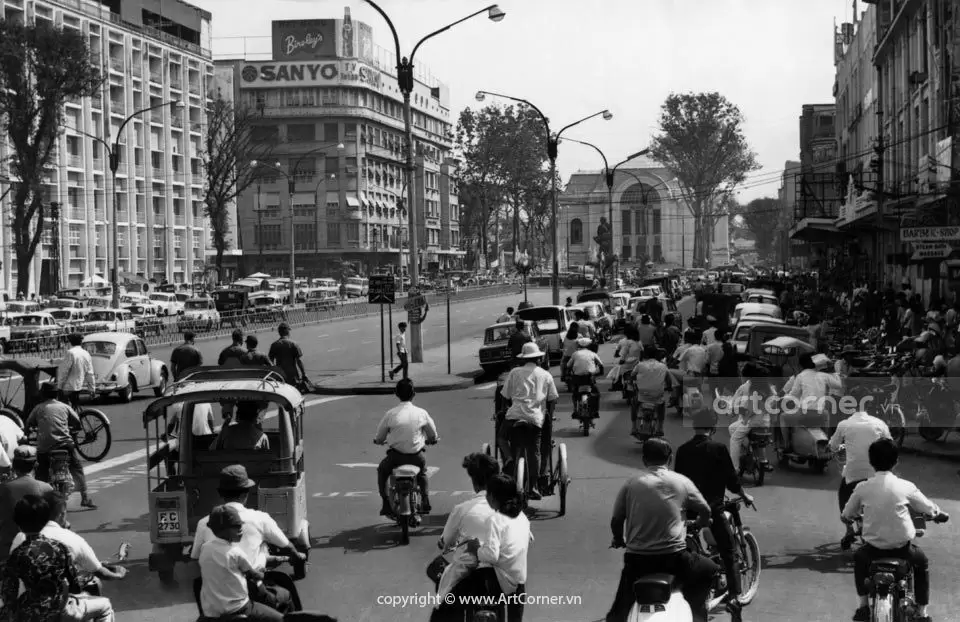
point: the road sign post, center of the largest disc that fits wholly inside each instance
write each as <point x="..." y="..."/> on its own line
<point x="383" y="291"/>
<point x="383" y="356"/>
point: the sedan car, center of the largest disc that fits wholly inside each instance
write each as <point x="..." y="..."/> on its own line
<point x="122" y="365"/>
<point x="147" y="318"/>
<point x="118" y="320"/>
<point x="495" y="352"/>
<point x="35" y="330"/>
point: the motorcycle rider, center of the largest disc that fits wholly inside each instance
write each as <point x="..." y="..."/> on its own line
<point x="808" y="390"/>
<point x="583" y="367"/>
<point x="630" y="352"/>
<point x="532" y="394"/>
<point x="749" y="404"/>
<point x="707" y="463"/>
<point x="652" y="381"/>
<point x="407" y="429"/>
<point x="650" y="508"/>
<point x="885" y="502"/>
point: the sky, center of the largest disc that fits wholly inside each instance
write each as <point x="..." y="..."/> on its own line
<point x="572" y="58"/>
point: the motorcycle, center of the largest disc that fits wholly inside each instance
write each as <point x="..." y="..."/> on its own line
<point x="891" y="583"/>
<point x="405" y="498"/>
<point x="644" y="418"/>
<point x="657" y="599"/>
<point x="754" y="460"/>
<point x="587" y="406"/>
<point x="810" y="443"/>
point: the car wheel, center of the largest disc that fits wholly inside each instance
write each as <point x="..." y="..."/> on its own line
<point x="126" y="394"/>
<point x="162" y="387"/>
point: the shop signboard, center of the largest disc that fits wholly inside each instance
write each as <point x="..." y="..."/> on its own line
<point x="929" y="234"/>
<point x="937" y="250"/>
<point x="303" y="74"/>
<point x="304" y="39"/>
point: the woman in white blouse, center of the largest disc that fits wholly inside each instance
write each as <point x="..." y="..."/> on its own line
<point x="502" y="550"/>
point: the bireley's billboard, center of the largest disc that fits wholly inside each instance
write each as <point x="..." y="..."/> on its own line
<point x="304" y="39"/>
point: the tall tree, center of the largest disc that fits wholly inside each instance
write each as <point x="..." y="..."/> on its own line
<point x="701" y="142"/>
<point x="230" y="146"/>
<point x="761" y="216"/>
<point x="479" y="174"/>
<point x="41" y="68"/>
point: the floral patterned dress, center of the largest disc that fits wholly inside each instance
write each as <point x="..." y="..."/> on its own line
<point x="47" y="572"/>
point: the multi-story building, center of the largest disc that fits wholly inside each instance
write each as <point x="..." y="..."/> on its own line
<point x="150" y="53"/>
<point x="333" y="112"/>
<point x="787" y="195"/>
<point x="651" y="221"/>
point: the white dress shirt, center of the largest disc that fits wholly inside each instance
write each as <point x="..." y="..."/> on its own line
<point x="406" y="428"/>
<point x="528" y="388"/>
<point x="83" y="556"/>
<point x="885" y="501"/>
<point x="857" y="433"/>
<point x="223" y="567"/>
<point x="810" y="386"/>
<point x="693" y="360"/>
<point x="709" y="336"/>
<point x="467" y="520"/>
<point x="259" y="530"/>
<point x="650" y="377"/>
<point x="504" y="546"/>
<point x="75" y="371"/>
<point x="584" y="362"/>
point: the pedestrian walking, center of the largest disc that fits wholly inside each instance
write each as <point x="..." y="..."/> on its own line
<point x="287" y="355"/>
<point x="232" y="355"/>
<point x="75" y="372"/>
<point x="401" y="344"/>
<point x="185" y="356"/>
<point x="253" y="357"/>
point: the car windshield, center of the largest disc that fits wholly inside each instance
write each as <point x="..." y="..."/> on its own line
<point x="354" y="282"/>
<point x="100" y="348"/>
<point x="501" y="333"/>
<point x="62" y="314"/>
<point x="28" y="320"/>
<point x="101" y="316"/>
<point x="160" y="297"/>
<point x="136" y="309"/>
<point x="196" y="304"/>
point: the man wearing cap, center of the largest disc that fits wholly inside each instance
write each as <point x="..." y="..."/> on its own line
<point x="532" y="394"/>
<point x="227" y="572"/>
<point x="23" y="483"/>
<point x="253" y="357"/>
<point x="406" y="429"/>
<point x="53" y="420"/>
<point x="259" y="530"/>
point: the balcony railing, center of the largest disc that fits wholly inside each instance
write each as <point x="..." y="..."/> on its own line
<point x="75" y="161"/>
<point x="141" y="216"/>
<point x="176" y="121"/>
<point x="139" y="170"/>
<point x="76" y="213"/>
<point x="176" y="83"/>
<point x="180" y="220"/>
<point x="96" y="102"/>
<point x="98" y="163"/>
<point x="156" y="117"/>
<point x="116" y="63"/>
<point x="194" y="88"/>
<point x="156" y="76"/>
<point x="159" y="220"/>
<point x="100" y="214"/>
<point x="195" y="128"/>
<point x="116" y="105"/>
<point x="137" y="69"/>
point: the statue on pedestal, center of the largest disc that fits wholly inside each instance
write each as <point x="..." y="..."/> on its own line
<point x="604" y="240"/>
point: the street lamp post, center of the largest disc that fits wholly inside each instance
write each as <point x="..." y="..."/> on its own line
<point x="291" y="178"/>
<point x="609" y="174"/>
<point x="113" y="155"/>
<point x="406" y="83"/>
<point x="553" y="140"/>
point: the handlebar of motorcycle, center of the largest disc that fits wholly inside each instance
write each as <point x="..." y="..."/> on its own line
<point x="942" y="517"/>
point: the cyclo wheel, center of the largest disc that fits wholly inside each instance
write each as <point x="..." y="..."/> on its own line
<point x="562" y="477"/>
<point x="749" y="568"/>
<point x="95" y="438"/>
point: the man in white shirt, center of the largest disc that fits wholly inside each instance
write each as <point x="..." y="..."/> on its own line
<point x="401" y="345"/>
<point x="583" y="367"/>
<point x="506" y="317"/>
<point x="259" y="530"/>
<point x="10" y="436"/>
<point x="406" y="430"/>
<point x="709" y="335"/>
<point x="693" y="360"/>
<point x="804" y="394"/>
<point x="885" y="503"/>
<point x="856" y="434"/>
<point x="750" y="409"/>
<point x="75" y="372"/>
<point x="532" y="394"/>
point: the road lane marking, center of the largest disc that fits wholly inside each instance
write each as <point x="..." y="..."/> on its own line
<point x="365" y="493"/>
<point x="322" y="336"/>
<point x="484" y="387"/>
<point x="141" y="454"/>
<point x="353" y="330"/>
<point x="367" y="341"/>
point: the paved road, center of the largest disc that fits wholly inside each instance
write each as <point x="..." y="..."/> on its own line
<point x="356" y="559"/>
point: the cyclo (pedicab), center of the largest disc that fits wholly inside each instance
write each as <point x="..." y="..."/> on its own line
<point x="20" y="381"/>
<point x="556" y="474"/>
<point x="183" y="468"/>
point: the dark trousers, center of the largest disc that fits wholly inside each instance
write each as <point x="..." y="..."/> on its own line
<point x="482" y="582"/>
<point x="693" y="572"/>
<point x="726" y="546"/>
<point x="73" y="463"/>
<point x="392" y="460"/>
<point x="402" y="366"/>
<point x="72" y="398"/>
<point x="258" y="612"/>
<point x="584" y="381"/>
<point x="911" y="552"/>
<point x="272" y="596"/>
<point x="527" y="443"/>
<point x="845" y="491"/>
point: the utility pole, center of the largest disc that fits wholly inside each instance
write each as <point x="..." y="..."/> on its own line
<point x="881" y="189"/>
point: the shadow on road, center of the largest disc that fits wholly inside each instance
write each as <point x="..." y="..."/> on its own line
<point x="825" y="558"/>
<point x="139" y="588"/>
<point x="378" y="537"/>
<point x="140" y="524"/>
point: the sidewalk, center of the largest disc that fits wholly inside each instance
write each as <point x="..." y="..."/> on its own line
<point x="949" y="450"/>
<point x="427" y="377"/>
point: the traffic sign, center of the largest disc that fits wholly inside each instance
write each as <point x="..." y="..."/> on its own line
<point x="415" y="303"/>
<point x="939" y="250"/>
<point x="383" y="290"/>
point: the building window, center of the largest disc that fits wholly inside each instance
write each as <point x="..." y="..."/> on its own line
<point x="353" y="232"/>
<point x="333" y="233"/>
<point x="576" y="231"/>
<point x="625" y="253"/>
<point x="656" y="222"/>
<point x="331" y="166"/>
<point x="301" y="132"/>
<point x="626" y="220"/>
<point x="331" y="132"/>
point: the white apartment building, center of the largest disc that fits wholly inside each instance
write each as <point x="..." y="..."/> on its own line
<point x="151" y="52"/>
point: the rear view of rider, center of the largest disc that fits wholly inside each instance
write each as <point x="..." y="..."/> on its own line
<point x="532" y="394"/>
<point x="856" y="434"/>
<point x="652" y="380"/>
<point x="583" y="367"/>
<point x="885" y="502"/>
<point x="406" y="429"/>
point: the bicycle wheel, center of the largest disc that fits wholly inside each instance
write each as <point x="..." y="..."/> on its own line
<point x="94" y="439"/>
<point x="11" y="390"/>
<point x="563" y="478"/>
<point x="749" y="568"/>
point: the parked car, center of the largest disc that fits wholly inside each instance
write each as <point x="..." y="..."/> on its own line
<point x="755" y="308"/>
<point x="34" y="330"/>
<point x="65" y="303"/>
<point x="199" y="314"/>
<point x="122" y="365"/>
<point x="118" y="320"/>
<point x="741" y="333"/>
<point x="21" y="307"/>
<point x="168" y="303"/>
<point x="495" y="352"/>
<point x="69" y="319"/>
<point x="147" y="319"/>
<point x="268" y="307"/>
<point x="552" y="323"/>
<point x="763" y="299"/>
<point x="357" y="287"/>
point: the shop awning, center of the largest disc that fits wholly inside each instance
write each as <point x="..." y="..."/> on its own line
<point x="364" y="200"/>
<point x="304" y="198"/>
<point x="333" y="198"/>
<point x="815" y="230"/>
<point x="353" y="202"/>
<point x="381" y="204"/>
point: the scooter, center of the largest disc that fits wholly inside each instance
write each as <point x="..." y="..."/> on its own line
<point x="405" y="498"/>
<point x="586" y="406"/>
<point x="657" y="598"/>
<point x="644" y="418"/>
<point x="810" y="443"/>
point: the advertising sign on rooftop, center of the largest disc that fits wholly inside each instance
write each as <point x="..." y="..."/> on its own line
<point x="304" y="39"/>
<point x="330" y="73"/>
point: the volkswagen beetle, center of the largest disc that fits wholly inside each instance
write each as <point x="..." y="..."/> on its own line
<point x="122" y="365"/>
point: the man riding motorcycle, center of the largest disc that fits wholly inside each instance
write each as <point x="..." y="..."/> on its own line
<point x="808" y="390"/>
<point x="532" y="394"/>
<point x="583" y="367"/>
<point x="652" y="380"/>
<point x="885" y="502"/>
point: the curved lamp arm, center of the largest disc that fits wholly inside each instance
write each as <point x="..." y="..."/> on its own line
<point x="607" y="115"/>
<point x="543" y="117"/>
<point x="100" y="140"/>
<point x="448" y="27"/>
<point x="396" y="39"/>
<point x="296" y="167"/>
<point x="176" y="103"/>
<point x="597" y="149"/>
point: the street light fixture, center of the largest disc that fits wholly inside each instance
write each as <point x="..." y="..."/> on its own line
<point x="609" y="174"/>
<point x="405" y="81"/>
<point x="553" y="140"/>
<point x="113" y="155"/>
<point x="291" y="178"/>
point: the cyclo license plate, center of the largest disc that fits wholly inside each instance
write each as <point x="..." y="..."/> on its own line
<point x="168" y="522"/>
